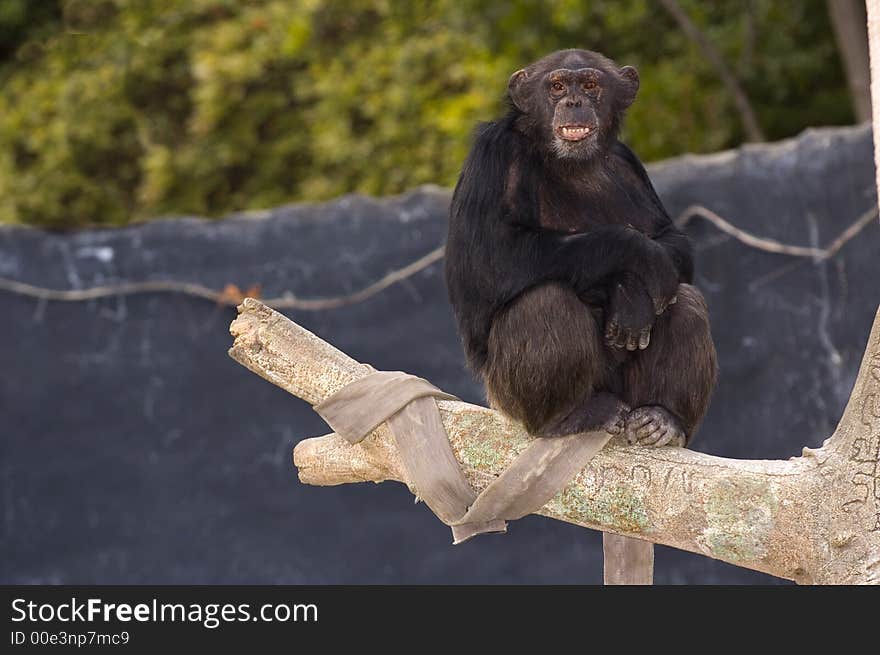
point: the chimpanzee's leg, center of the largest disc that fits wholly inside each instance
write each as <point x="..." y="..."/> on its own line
<point x="546" y="360"/>
<point x="668" y="385"/>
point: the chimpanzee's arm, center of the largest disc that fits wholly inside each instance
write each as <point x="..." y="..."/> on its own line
<point x="675" y="242"/>
<point x="583" y="261"/>
<point x="679" y="249"/>
<point x="499" y="228"/>
<point x="496" y="249"/>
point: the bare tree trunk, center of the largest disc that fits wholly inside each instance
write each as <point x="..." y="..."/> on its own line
<point x="740" y="99"/>
<point x="849" y="19"/>
<point x="628" y="561"/>
<point x="750" y="39"/>
<point x="873" y="7"/>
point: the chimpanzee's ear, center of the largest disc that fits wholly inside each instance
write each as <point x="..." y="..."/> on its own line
<point x="629" y="86"/>
<point x="516" y="88"/>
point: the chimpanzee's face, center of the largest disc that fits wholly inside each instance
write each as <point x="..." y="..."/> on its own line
<point x="572" y="108"/>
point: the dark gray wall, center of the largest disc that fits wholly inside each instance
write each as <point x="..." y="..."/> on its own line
<point x="127" y="457"/>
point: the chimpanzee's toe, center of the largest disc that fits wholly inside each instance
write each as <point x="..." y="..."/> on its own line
<point x="654" y="426"/>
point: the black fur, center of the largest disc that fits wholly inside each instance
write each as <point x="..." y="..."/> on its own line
<point x="559" y="257"/>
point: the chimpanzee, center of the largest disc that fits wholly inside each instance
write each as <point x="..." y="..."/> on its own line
<point x="570" y="283"/>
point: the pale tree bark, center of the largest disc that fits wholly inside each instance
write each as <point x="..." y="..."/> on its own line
<point x="628" y="561"/>
<point x="873" y="7"/>
<point x="814" y="518"/>
<point x="848" y="20"/>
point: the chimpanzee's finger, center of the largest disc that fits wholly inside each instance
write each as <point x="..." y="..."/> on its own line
<point x="611" y="331"/>
<point x="632" y="342"/>
<point x="654" y="438"/>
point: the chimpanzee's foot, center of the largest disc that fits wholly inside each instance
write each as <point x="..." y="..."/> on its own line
<point x="652" y="425"/>
<point x="604" y="411"/>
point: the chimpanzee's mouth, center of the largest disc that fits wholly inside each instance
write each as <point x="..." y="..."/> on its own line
<point x="573" y="132"/>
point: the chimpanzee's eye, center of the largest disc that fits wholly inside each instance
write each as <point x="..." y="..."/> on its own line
<point x="558" y="86"/>
<point x="589" y="85"/>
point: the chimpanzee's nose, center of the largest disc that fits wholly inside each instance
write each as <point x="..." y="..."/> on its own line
<point x="573" y="103"/>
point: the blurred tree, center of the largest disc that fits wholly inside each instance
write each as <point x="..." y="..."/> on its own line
<point x="850" y="22"/>
<point x="24" y="20"/>
<point x="740" y="99"/>
<point x="119" y="110"/>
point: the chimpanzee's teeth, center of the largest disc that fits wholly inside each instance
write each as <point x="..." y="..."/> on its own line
<point x="575" y="132"/>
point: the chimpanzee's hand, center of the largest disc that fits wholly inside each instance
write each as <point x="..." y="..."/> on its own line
<point x="630" y="314"/>
<point x="659" y="276"/>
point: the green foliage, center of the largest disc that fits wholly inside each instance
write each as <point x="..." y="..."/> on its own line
<point x="120" y="110"/>
<point x="24" y="20"/>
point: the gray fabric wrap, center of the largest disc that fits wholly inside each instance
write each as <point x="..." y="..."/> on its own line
<point x="408" y="404"/>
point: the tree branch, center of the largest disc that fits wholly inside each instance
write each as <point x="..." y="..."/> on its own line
<point x="814" y="518"/>
<point x="740" y="99"/>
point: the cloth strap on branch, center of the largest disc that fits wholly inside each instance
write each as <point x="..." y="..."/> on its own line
<point x="408" y="404"/>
